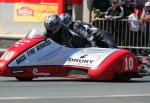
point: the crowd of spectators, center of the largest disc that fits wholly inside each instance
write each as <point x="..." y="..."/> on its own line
<point x="120" y="9"/>
<point x="101" y="7"/>
<point x="133" y="10"/>
<point x="136" y="12"/>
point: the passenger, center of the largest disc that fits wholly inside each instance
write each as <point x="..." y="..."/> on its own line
<point x="94" y="36"/>
<point x="59" y="33"/>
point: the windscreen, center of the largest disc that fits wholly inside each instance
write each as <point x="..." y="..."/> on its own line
<point x="34" y="33"/>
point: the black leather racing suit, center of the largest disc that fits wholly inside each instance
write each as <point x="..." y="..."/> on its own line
<point x="65" y="38"/>
<point x="94" y="36"/>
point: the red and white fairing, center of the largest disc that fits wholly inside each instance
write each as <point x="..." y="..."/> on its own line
<point x="34" y="56"/>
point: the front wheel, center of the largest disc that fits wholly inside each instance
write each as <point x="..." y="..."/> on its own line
<point x="24" y="78"/>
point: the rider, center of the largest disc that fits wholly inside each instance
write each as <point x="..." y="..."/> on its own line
<point x="59" y="33"/>
<point x="94" y="36"/>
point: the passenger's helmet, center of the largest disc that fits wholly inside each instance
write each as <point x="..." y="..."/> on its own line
<point x="53" y="23"/>
<point x="66" y="19"/>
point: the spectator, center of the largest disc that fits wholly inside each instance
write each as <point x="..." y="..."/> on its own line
<point x="128" y="8"/>
<point x="146" y="12"/>
<point x="134" y="20"/>
<point x="99" y="8"/>
<point x="145" y="17"/>
<point x="114" y="13"/>
<point x="135" y="26"/>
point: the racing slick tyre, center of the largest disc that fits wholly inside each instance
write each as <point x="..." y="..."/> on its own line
<point x="24" y="78"/>
<point x="122" y="78"/>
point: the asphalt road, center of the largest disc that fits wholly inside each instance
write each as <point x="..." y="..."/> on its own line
<point x="60" y="90"/>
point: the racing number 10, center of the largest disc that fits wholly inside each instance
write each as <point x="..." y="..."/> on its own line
<point x="128" y="63"/>
<point x="7" y="55"/>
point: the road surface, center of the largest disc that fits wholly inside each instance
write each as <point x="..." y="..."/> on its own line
<point x="61" y="90"/>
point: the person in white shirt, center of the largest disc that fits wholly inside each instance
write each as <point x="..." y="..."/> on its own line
<point x="135" y="25"/>
<point x="134" y="22"/>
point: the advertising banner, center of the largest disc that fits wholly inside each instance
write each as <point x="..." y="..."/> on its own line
<point x="30" y="12"/>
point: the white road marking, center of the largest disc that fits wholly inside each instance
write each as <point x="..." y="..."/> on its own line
<point x="71" y="97"/>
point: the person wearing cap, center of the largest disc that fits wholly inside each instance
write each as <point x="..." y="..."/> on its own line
<point x="146" y="12"/>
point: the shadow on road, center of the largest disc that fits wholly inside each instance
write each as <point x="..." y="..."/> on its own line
<point x="74" y="80"/>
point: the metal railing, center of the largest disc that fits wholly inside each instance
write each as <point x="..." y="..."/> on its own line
<point x="123" y="35"/>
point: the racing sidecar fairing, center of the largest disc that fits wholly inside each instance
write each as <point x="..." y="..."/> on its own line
<point x="34" y="56"/>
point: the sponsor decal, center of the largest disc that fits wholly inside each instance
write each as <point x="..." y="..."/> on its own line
<point x="84" y="56"/>
<point x="82" y="60"/>
<point x="21" y="59"/>
<point x="18" y="71"/>
<point x="37" y="73"/>
<point x="43" y="45"/>
<point x="21" y="43"/>
<point x="25" y="11"/>
<point x="85" y="61"/>
<point x="32" y="51"/>
<point x="34" y="12"/>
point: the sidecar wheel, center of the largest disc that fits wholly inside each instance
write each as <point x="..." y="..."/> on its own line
<point x="122" y="78"/>
<point x="24" y="78"/>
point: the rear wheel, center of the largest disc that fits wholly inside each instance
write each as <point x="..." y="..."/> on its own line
<point x="24" y="78"/>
